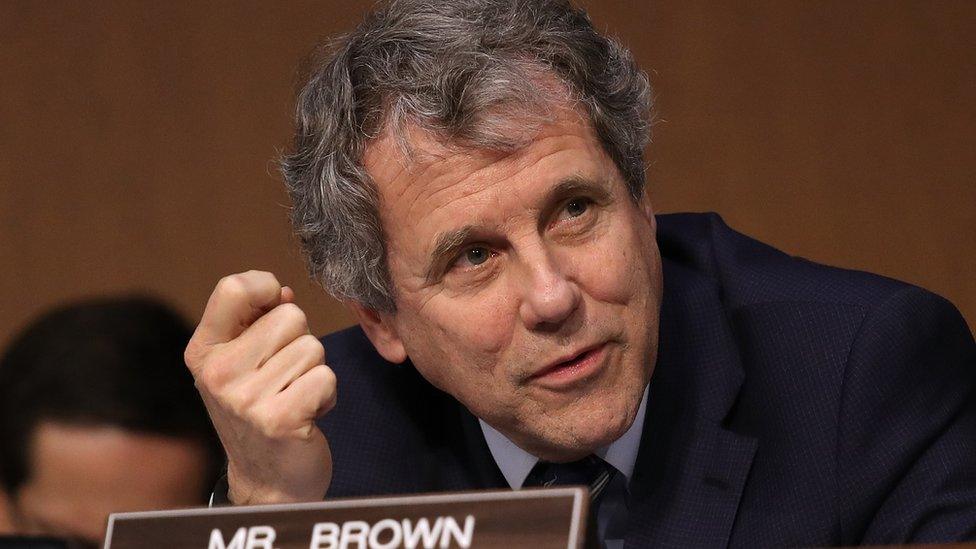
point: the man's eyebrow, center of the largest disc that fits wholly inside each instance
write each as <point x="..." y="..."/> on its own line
<point x="446" y="245"/>
<point x="575" y="184"/>
<point x="570" y="187"/>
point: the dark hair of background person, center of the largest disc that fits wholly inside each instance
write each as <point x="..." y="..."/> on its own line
<point x="116" y="362"/>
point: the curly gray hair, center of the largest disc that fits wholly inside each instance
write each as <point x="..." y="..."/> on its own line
<point x="457" y="69"/>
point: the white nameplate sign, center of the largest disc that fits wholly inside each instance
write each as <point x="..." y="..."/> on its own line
<point x="538" y="518"/>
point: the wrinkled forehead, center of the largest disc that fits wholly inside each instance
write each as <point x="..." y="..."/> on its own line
<point x="501" y="116"/>
<point x="411" y="148"/>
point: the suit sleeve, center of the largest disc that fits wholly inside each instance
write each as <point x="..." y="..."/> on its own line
<point x="907" y="437"/>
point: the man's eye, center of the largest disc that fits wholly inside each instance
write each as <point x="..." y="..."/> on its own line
<point x="476" y="255"/>
<point x="577" y="207"/>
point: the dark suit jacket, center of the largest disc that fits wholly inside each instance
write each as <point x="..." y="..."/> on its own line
<point x="792" y="404"/>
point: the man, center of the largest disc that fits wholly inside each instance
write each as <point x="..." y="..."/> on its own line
<point x="468" y="177"/>
<point x="98" y="415"/>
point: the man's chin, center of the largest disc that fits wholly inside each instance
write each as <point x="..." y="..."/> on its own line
<point x="574" y="440"/>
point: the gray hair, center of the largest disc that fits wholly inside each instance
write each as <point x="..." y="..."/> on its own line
<point x="457" y="69"/>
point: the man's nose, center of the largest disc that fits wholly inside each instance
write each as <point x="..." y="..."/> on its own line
<point x="550" y="297"/>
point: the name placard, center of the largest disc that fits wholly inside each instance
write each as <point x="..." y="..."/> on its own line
<point x="537" y="518"/>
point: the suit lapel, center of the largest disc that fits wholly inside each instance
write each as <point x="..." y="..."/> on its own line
<point x="687" y="486"/>
<point x="455" y="455"/>
<point x="480" y="466"/>
<point x="690" y="469"/>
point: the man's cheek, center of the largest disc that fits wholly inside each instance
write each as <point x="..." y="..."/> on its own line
<point x="482" y="335"/>
<point x="479" y="326"/>
<point x="612" y="273"/>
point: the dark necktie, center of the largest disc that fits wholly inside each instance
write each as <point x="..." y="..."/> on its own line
<point x="590" y="471"/>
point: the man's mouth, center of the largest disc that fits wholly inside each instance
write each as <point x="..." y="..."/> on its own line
<point x="571" y="368"/>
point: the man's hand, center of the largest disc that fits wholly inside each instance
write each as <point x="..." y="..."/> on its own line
<point x="264" y="380"/>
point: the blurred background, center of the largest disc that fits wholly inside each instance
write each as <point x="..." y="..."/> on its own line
<point x="137" y="139"/>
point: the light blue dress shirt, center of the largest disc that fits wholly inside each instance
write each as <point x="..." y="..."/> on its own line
<point x="516" y="464"/>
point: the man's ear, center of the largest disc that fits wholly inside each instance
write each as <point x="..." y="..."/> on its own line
<point x="648" y="211"/>
<point x="381" y="332"/>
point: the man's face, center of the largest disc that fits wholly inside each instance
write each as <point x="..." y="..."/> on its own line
<point x="80" y="474"/>
<point x="528" y="285"/>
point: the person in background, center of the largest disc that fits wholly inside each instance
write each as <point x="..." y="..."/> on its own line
<point x="98" y="415"/>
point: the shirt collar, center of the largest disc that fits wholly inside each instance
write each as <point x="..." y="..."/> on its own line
<point x="516" y="464"/>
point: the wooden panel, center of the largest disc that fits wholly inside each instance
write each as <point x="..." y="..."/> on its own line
<point x="839" y="131"/>
<point x="136" y="138"/>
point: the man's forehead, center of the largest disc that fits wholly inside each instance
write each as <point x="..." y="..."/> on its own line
<point x="415" y="151"/>
<point x="411" y="151"/>
<point x="501" y="127"/>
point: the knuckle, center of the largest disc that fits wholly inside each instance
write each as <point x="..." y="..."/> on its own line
<point x="296" y="424"/>
<point x="330" y="394"/>
<point x="327" y="405"/>
<point x="244" y="403"/>
<point x="192" y="355"/>
<point x="293" y="314"/>
<point x="231" y="287"/>
<point x="270" y="425"/>
<point x="330" y="402"/>
<point x="306" y="431"/>
<point x="254" y="415"/>
<point x="211" y="378"/>
<point x="328" y="377"/>
<point x="263" y="278"/>
<point x="217" y="377"/>
<point x="311" y="346"/>
<point x="258" y="273"/>
<point x="270" y="430"/>
<point x="267" y="429"/>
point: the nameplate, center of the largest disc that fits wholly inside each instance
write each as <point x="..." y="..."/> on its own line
<point x="537" y="518"/>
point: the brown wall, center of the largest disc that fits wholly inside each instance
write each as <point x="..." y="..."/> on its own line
<point x="136" y="138"/>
